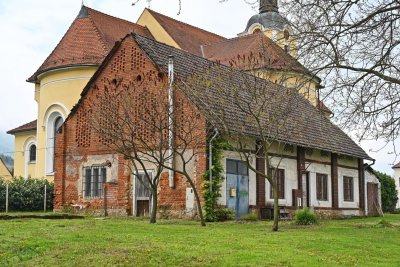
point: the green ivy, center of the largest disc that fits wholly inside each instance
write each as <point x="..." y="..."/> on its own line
<point x="210" y="198"/>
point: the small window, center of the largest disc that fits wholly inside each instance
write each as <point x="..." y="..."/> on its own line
<point x="322" y="187"/>
<point x="236" y="167"/>
<point x="348" y="189"/>
<point x="93" y="180"/>
<point x="32" y="154"/>
<point x="280" y="178"/>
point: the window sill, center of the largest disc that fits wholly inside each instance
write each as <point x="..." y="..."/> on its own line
<point x="32" y="162"/>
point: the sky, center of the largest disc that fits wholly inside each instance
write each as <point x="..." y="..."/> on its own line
<point x="30" y="29"/>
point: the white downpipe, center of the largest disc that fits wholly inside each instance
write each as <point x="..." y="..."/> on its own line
<point x="170" y="121"/>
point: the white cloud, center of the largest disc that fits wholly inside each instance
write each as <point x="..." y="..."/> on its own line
<point x="30" y="29"/>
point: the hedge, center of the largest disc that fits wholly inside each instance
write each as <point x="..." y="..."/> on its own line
<point x="26" y="194"/>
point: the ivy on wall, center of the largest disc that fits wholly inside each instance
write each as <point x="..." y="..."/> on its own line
<point x="211" y="197"/>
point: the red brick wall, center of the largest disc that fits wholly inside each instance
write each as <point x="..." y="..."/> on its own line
<point x="77" y="142"/>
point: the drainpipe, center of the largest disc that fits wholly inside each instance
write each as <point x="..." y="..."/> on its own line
<point x="170" y="121"/>
<point x="210" y="156"/>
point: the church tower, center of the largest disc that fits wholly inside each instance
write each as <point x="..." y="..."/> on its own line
<point x="270" y="22"/>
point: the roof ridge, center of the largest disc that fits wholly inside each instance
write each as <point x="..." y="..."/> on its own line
<point x="194" y="55"/>
<point x="114" y="17"/>
<point x="232" y="39"/>
<point x="187" y="24"/>
<point x="99" y="33"/>
<point x="33" y="77"/>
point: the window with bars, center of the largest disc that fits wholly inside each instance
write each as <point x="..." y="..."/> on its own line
<point x="322" y="186"/>
<point x="93" y="180"/>
<point x="348" y="188"/>
<point x="280" y="179"/>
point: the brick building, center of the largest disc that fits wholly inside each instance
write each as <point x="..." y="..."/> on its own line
<point x="322" y="168"/>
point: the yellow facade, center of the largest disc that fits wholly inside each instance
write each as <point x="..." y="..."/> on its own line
<point x="56" y="94"/>
<point x="146" y="19"/>
<point x="22" y="166"/>
<point x="4" y="172"/>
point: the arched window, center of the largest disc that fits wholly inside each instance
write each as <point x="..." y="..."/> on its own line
<point x="32" y="154"/>
<point x="57" y="124"/>
<point x="54" y="122"/>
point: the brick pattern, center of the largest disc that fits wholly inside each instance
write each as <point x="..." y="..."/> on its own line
<point x="76" y="142"/>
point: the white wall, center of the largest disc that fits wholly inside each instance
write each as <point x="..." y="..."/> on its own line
<point x="396" y="179"/>
<point x="351" y="173"/>
<point x="313" y="169"/>
<point x="290" y="167"/>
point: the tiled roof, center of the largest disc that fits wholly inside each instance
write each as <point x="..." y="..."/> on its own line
<point x="188" y="37"/>
<point x="261" y="50"/>
<point x="396" y="166"/>
<point x="321" y="106"/>
<point x="31" y="126"/>
<point x="88" y="40"/>
<point x="306" y="126"/>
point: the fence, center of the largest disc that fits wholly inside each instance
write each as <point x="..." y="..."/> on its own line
<point x="26" y="195"/>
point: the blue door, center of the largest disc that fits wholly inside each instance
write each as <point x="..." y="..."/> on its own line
<point x="237" y="187"/>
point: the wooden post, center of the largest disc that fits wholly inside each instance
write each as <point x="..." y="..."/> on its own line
<point x="105" y="200"/>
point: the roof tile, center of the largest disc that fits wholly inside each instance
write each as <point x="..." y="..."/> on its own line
<point x="305" y="126"/>
<point x="88" y="40"/>
<point x="30" y="126"/>
<point x="188" y="37"/>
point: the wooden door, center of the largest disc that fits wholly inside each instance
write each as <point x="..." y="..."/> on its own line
<point x="373" y="199"/>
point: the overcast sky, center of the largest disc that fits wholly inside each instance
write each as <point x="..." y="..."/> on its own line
<point x="30" y="29"/>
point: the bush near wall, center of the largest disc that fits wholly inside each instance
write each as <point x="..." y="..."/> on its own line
<point x="26" y="194"/>
<point x="388" y="192"/>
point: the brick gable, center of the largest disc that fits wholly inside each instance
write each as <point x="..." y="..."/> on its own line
<point x="77" y="144"/>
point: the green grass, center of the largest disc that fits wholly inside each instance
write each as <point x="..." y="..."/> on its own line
<point x="129" y="242"/>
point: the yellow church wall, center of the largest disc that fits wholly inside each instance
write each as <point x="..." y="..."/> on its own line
<point x="159" y="33"/>
<point x="20" y="155"/>
<point x="58" y="91"/>
<point x="4" y="172"/>
<point x="300" y="82"/>
<point x="281" y="41"/>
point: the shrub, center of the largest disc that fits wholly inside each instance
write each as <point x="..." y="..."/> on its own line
<point x="224" y="214"/>
<point x="26" y="194"/>
<point x="305" y="217"/>
<point x="388" y="192"/>
<point x="249" y="217"/>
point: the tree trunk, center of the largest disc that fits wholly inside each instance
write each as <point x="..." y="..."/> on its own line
<point x="198" y="203"/>
<point x="276" y="210"/>
<point x="153" y="215"/>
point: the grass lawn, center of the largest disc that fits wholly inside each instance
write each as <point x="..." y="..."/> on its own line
<point x="130" y="242"/>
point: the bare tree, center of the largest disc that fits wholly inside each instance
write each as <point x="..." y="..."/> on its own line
<point x="252" y="115"/>
<point x="354" y="47"/>
<point x="136" y="119"/>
